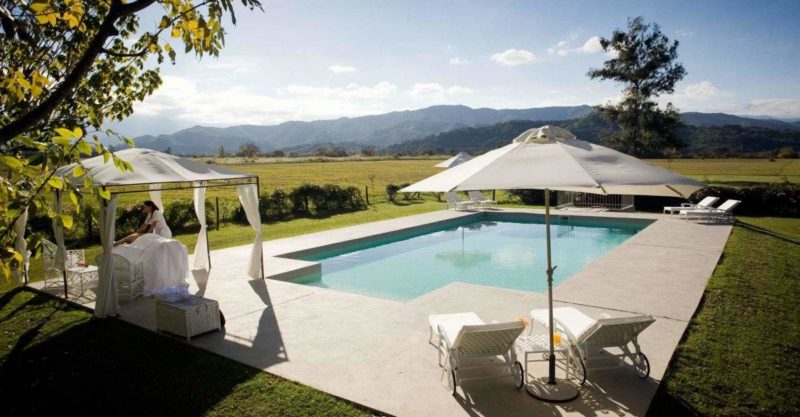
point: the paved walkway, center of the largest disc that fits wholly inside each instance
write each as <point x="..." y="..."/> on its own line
<point x="375" y="351"/>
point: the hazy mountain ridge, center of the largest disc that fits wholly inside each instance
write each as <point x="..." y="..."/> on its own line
<point x="376" y="130"/>
<point x="390" y="130"/>
<point x="723" y="140"/>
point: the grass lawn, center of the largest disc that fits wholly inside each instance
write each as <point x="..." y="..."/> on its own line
<point x="739" y="355"/>
<point x="56" y="360"/>
<point x="720" y="171"/>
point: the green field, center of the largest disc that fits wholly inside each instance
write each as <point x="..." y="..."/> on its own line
<point x="735" y="171"/>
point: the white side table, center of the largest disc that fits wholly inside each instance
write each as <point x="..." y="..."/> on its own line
<point x="81" y="279"/>
<point x="529" y="347"/>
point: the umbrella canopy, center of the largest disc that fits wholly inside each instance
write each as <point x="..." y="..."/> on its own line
<point x="149" y="167"/>
<point x="550" y="157"/>
<point x="456" y="160"/>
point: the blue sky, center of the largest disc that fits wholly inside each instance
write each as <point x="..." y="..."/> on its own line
<point x="308" y="60"/>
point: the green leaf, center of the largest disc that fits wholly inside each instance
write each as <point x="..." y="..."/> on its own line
<point x="64" y="132"/>
<point x="84" y="147"/>
<point x="78" y="171"/>
<point x="66" y="220"/>
<point x="12" y="162"/>
<point x="62" y="140"/>
<point x="55" y="182"/>
<point x="105" y="194"/>
<point x="73" y="197"/>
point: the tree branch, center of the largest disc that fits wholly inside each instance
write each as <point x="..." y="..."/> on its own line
<point x="107" y="29"/>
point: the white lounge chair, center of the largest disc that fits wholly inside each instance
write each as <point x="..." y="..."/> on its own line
<point x="723" y="212"/>
<point x="706" y="203"/>
<point x="589" y="339"/>
<point x="454" y="202"/>
<point x="467" y="343"/>
<point x="479" y="200"/>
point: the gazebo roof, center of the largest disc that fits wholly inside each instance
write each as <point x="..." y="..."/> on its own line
<point x="149" y="167"/>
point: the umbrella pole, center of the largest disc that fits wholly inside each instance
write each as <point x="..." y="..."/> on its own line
<point x="551" y="377"/>
<point x="549" y="389"/>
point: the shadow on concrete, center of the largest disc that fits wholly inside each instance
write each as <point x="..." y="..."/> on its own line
<point x="616" y="392"/>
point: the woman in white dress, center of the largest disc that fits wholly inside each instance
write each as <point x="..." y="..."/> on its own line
<point x="154" y="223"/>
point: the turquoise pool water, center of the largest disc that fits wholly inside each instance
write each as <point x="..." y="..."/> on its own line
<point x="506" y="253"/>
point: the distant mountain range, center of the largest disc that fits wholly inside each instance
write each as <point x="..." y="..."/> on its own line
<point x="421" y="130"/>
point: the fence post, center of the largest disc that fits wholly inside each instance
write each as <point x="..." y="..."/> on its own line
<point x="366" y="193"/>
<point x="493" y="197"/>
<point x="216" y="201"/>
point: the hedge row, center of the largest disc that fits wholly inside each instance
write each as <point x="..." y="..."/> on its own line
<point x="781" y="200"/>
<point x="305" y="200"/>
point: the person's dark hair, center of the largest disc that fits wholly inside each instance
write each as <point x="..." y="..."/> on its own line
<point x="150" y="204"/>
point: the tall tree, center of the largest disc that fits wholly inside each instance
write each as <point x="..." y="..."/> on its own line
<point x="645" y="63"/>
<point x="69" y="66"/>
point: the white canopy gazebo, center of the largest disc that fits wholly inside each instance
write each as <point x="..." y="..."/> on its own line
<point x="154" y="172"/>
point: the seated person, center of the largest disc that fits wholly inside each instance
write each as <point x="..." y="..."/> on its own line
<point x="154" y="223"/>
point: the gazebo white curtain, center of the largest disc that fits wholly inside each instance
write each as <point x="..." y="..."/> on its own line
<point x="201" y="248"/>
<point x="248" y="196"/>
<point x="21" y="246"/>
<point x="106" y="303"/>
<point x="155" y="196"/>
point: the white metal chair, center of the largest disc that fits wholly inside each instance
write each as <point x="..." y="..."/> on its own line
<point x="454" y="202"/>
<point x="129" y="277"/>
<point x="467" y="344"/>
<point x="479" y="199"/>
<point x="706" y="203"/>
<point x="590" y="339"/>
<point x="53" y="271"/>
<point x="723" y="212"/>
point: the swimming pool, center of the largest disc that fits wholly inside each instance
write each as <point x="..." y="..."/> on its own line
<point x="499" y="251"/>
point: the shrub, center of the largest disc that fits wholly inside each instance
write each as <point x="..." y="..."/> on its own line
<point x="531" y="197"/>
<point x="760" y="200"/>
<point x="391" y="192"/>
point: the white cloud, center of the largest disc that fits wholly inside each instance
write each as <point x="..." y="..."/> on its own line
<point x="682" y="33"/>
<point x="437" y="92"/>
<point x="590" y="46"/>
<point x="187" y="101"/>
<point x="775" y="107"/>
<point x="458" y="61"/>
<point x="701" y="96"/>
<point x="341" y="69"/>
<point x="704" y="90"/>
<point x="514" y="57"/>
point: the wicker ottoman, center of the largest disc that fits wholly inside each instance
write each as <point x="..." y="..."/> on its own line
<point x="188" y="318"/>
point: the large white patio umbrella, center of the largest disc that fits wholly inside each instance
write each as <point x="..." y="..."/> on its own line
<point x="551" y="158"/>
<point x="456" y="160"/>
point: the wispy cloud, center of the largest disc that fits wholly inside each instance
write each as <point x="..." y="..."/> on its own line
<point x="341" y="69"/>
<point x="514" y="57"/>
<point x="185" y="100"/>
<point x="437" y="92"/>
<point x="776" y="107"/>
<point x="458" y="61"/>
<point x="682" y="33"/>
<point x="563" y="48"/>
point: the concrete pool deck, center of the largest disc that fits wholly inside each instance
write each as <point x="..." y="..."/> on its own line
<point x="375" y="351"/>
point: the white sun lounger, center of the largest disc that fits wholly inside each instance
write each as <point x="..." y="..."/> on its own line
<point x="479" y="200"/>
<point x="705" y="203"/>
<point x="454" y="202"/>
<point x="590" y="339"/>
<point x="723" y="212"/>
<point x="467" y="343"/>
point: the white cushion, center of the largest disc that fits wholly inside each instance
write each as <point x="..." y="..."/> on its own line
<point x="573" y="319"/>
<point x="452" y="323"/>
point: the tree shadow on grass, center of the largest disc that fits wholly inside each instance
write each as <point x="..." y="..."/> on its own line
<point x="765" y="231"/>
<point x="109" y="367"/>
